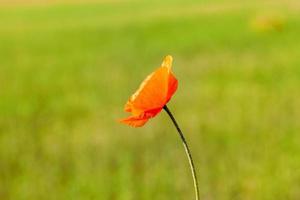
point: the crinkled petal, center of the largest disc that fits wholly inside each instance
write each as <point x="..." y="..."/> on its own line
<point x="134" y="121"/>
<point x="154" y="92"/>
<point x="151" y="93"/>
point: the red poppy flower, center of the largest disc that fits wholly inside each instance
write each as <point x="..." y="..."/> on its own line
<point x="153" y="94"/>
<point x="151" y="97"/>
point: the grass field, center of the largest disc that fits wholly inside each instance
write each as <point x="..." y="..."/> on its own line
<point x="67" y="69"/>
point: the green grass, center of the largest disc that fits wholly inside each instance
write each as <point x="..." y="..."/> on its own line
<point x="67" y="70"/>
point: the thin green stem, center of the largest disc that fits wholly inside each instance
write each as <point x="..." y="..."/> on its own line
<point x="187" y="151"/>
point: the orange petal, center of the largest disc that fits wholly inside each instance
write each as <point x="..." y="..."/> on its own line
<point x="167" y="62"/>
<point x="153" y="92"/>
<point x="172" y="86"/>
<point x="135" y="121"/>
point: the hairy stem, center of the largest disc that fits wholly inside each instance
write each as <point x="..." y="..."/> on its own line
<point x="187" y="151"/>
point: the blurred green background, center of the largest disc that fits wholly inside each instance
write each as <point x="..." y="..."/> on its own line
<point x="67" y="69"/>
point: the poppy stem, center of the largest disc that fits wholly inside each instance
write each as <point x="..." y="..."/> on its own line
<point x="187" y="151"/>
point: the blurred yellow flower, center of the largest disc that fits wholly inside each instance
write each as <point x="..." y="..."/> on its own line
<point x="267" y="23"/>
